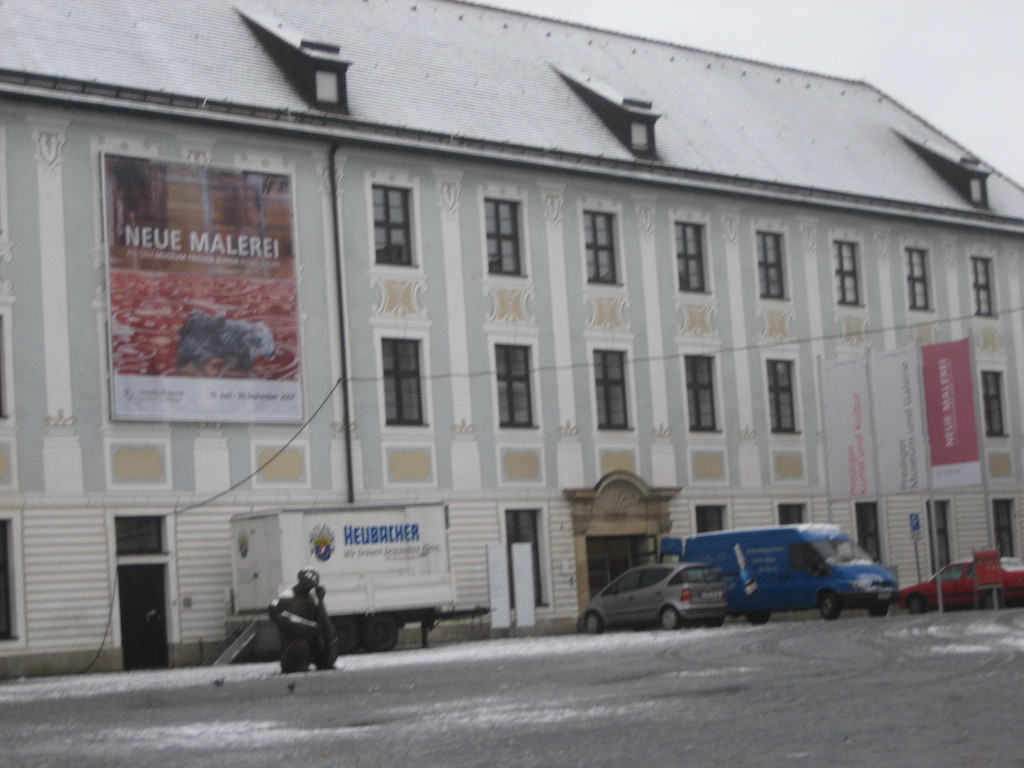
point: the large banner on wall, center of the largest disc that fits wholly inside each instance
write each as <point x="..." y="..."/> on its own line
<point x="899" y="421"/>
<point x="203" y="301"/>
<point x="847" y="417"/>
<point x="952" y="426"/>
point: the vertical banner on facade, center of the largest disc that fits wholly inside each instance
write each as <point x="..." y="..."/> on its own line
<point x="851" y="470"/>
<point x="899" y="421"/>
<point x="202" y="283"/>
<point x="498" y="586"/>
<point x="522" y="580"/>
<point x="952" y="426"/>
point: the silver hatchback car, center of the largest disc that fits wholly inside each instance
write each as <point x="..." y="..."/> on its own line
<point x="671" y="595"/>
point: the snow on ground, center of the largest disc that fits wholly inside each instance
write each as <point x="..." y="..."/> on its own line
<point x="75" y="686"/>
<point x="964" y="634"/>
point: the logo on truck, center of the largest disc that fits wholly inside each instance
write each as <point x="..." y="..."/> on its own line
<point x="321" y="542"/>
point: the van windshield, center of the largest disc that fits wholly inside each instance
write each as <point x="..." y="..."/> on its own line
<point x="842" y="552"/>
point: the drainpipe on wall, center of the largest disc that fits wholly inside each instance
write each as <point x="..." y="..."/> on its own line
<point x="345" y="404"/>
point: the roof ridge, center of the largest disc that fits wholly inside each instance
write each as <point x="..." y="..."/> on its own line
<point x="668" y="43"/>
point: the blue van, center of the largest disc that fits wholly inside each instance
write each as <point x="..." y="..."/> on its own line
<point x="794" y="568"/>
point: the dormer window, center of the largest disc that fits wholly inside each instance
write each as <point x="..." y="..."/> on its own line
<point x="642" y="136"/>
<point x="327" y="90"/>
<point x="314" y="68"/>
<point x="965" y="173"/>
<point x="630" y="119"/>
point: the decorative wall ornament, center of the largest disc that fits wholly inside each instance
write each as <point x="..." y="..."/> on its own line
<point x="645" y="217"/>
<point x="777" y="324"/>
<point x="198" y="155"/>
<point x="451" y="191"/>
<point x="510" y="305"/>
<point x="607" y="313"/>
<point x="809" y="232"/>
<point x="399" y="297"/>
<point x="464" y="428"/>
<point x="49" y="149"/>
<point x="732" y="228"/>
<point x="325" y="178"/>
<point x="697" y="319"/>
<point x="662" y="432"/>
<point x="988" y="339"/>
<point x="854" y="330"/>
<point x="924" y="334"/>
<point x="61" y="419"/>
<point x="553" y="208"/>
<point x="883" y="244"/>
<point x="947" y="245"/>
<point x="747" y="433"/>
<point x="568" y="429"/>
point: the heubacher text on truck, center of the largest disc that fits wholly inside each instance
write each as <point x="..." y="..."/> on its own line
<point x="794" y="568"/>
<point x="383" y="567"/>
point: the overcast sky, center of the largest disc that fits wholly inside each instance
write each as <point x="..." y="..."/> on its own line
<point x="959" y="64"/>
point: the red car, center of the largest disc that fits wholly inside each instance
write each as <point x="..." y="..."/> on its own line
<point x="957" y="581"/>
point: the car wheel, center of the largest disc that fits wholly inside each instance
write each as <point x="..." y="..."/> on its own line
<point x="593" y="623"/>
<point x="829" y="605"/>
<point x="380" y="633"/>
<point x="878" y="610"/>
<point x="917" y="604"/>
<point x="669" y="617"/>
<point x="758" y="617"/>
<point x="347" y="632"/>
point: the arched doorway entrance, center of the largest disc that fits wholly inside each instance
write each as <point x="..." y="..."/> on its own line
<point x="616" y="524"/>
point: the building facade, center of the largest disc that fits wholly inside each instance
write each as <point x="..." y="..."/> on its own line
<point x="575" y="284"/>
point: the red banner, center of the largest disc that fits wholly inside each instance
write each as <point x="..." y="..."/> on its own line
<point x="952" y="426"/>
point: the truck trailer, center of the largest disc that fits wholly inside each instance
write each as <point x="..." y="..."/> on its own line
<point x="383" y="566"/>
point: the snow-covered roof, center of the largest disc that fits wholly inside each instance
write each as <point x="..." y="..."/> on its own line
<point x="470" y="73"/>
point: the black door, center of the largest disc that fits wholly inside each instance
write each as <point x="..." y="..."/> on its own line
<point x="143" y="616"/>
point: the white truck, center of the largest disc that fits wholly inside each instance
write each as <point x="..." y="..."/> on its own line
<point x="383" y="566"/>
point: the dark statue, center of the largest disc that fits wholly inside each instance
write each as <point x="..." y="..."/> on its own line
<point x="307" y="634"/>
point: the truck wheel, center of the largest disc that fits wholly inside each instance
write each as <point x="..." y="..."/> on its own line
<point x="758" y="617"/>
<point x="593" y="623"/>
<point x="829" y="605"/>
<point x="347" y="631"/>
<point x="380" y="632"/>
<point x="669" y="617"/>
<point x="917" y="604"/>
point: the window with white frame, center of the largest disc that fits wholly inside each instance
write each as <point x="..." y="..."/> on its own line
<point x="847" y="273"/>
<point x="709" y="517"/>
<point x="917" y="279"/>
<point x="770" y="269"/>
<point x="690" y="257"/>
<point x="700" y="392"/>
<point x="403" y="398"/>
<point x="512" y="367"/>
<point x="981" y="284"/>
<point x="791" y="514"/>
<point x="992" y="402"/>
<point x="599" y="243"/>
<point x="610" y="389"/>
<point x="501" y="219"/>
<point x="781" y="396"/>
<point x="392" y="226"/>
